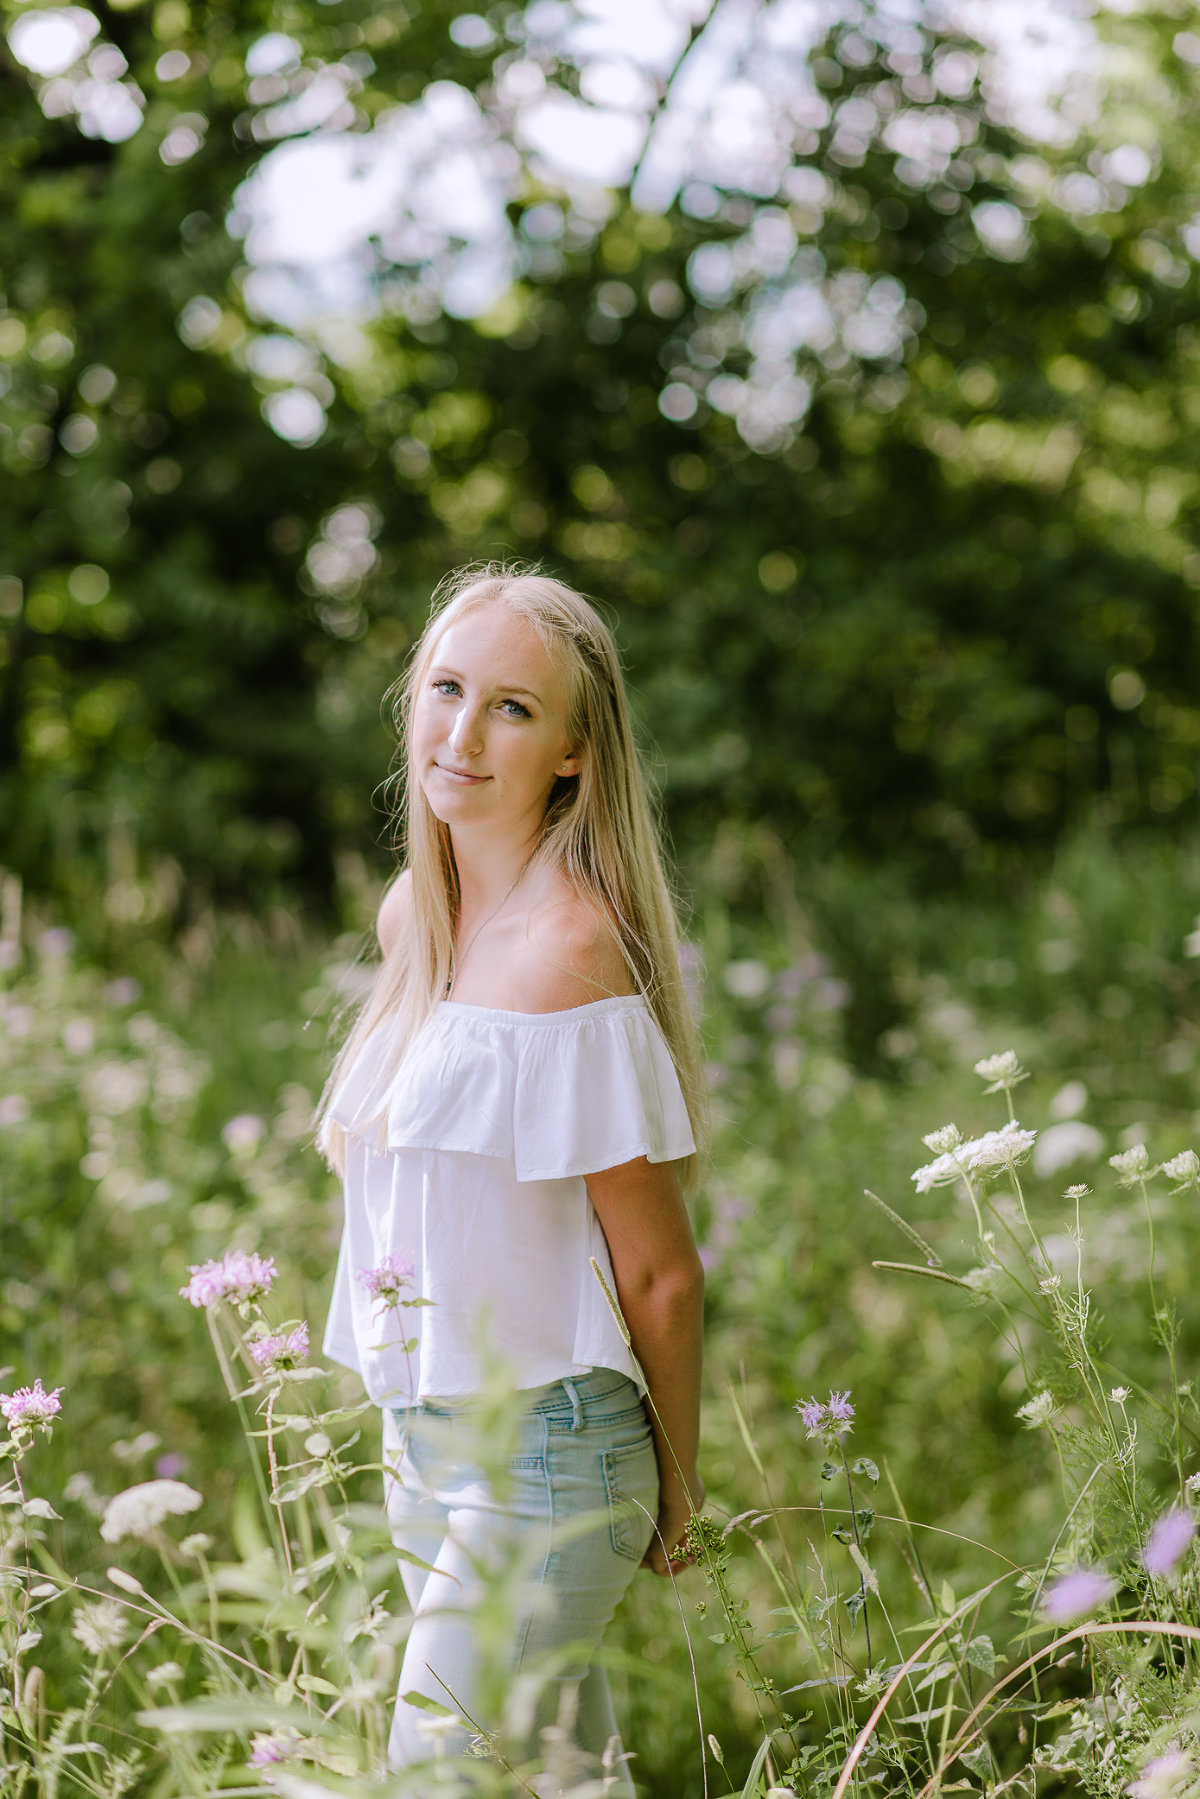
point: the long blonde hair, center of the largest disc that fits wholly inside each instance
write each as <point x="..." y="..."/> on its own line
<point x="599" y="833"/>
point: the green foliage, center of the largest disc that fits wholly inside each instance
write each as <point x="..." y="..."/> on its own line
<point x="933" y="626"/>
<point x="165" y="1126"/>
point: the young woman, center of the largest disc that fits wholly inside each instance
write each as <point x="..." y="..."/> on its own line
<point x="518" y="1098"/>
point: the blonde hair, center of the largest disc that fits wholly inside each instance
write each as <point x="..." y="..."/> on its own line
<point x="599" y="833"/>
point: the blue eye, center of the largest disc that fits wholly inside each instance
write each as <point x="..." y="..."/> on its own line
<point x="515" y="709"/>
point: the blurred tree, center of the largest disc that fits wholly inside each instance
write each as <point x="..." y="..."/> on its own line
<point x="886" y="462"/>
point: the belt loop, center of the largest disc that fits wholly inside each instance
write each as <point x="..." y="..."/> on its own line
<point x="576" y="1403"/>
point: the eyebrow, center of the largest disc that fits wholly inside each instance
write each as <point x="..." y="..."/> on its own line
<point x="440" y="669"/>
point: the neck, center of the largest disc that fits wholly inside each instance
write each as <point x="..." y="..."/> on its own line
<point x="488" y="867"/>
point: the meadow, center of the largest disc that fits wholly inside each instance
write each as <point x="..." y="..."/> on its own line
<point x="1024" y="1408"/>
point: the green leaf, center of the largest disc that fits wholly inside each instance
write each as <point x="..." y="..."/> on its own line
<point x="312" y="1683"/>
<point x="829" y="1470"/>
<point x="842" y="1534"/>
<point x="428" y="1705"/>
<point x="982" y="1655"/>
<point x="864" y="1465"/>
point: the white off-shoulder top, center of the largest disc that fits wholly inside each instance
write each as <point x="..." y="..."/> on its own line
<point x="469" y="1162"/>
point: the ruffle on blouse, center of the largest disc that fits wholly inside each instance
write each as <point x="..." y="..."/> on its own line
<point x="556" y="1094"/>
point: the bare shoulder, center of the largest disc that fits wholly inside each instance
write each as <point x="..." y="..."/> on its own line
<point x="397" y="903"/>
<point x="571" y="955"/>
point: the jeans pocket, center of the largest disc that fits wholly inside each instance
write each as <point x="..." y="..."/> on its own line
<point x="631" y="1482"/>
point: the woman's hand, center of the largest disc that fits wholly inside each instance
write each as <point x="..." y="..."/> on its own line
<point x="672" y="1523"/>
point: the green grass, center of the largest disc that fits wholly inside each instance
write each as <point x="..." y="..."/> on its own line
<point x="1086" y="978"/>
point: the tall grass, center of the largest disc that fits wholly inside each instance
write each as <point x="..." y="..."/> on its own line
<point x="148" y="1131"/>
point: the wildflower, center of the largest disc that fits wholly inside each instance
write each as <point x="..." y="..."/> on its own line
<point x="937" y="1174"/>
<point x="1003" y="1071"/>
<point x="29" y="1409"/>
<point x="197" y="1544"/>
<point x="386" y="1282"/>
<point x="829" y="1422"/>
<point x="872" y="1684"/>
<point x="1132" y="1165"/>
<point x="14" y="1109"/>
<point x="237" y="1276"/>
<point x="1078" y="1192"/>
<point x="1183" y="1168"/>
<point x="1038" y="1411"/>
<point x="100" y="1627"/>
<point x="1192" y="1483"/>
<point x="984" y="1281"/>
<point x="812" y="1414"/>
<point x="942" y="1141"/>
<point x="1076" y="1593"/>
<point x="167" y="1674"/>
<point x="281" y="1353"/>
<point x="999" y="1149"/>
<point x="243" y="1133"/>
<point x="1119" y="1395"/>
<point x="1051" y="1284"/>
<point x="171" y="1465"/>
<point x="267" y="1751"/>
<point x="81" y="1490"/>
<point x="141" y="1509"/>
<point x="1164" y="1776"/>
<point x="1167" y="1542"/>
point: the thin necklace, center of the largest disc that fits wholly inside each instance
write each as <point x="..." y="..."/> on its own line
<point x="455" y="962"/>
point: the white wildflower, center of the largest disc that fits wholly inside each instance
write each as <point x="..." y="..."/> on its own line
<point x="167" y="1674"/>
<point x="1003" y="1071"/>
<point x="100" y="1627"/>
<point x="942" y="1141"/>
<point x="937" y="1174"/>
<point x="197" y="1544"/>
<point x="1183" y="1168"/>
<point x="1192" y="1483"/>
<point x="1078" y="1192"/>
<point x="1051" y="1284"/>
<point x="1119" y="1395"/>
<point x="1037" y="1411"/>
<point x="1132" y="1165"/>
<point x="999" y="1149"/>
<point x="139" y="1510"/>
<point x="985" y="1281"/>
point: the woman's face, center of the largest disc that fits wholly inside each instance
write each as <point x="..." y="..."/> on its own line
<point x="489" y="723"/>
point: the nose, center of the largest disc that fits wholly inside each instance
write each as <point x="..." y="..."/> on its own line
<point x="466" y="734"/>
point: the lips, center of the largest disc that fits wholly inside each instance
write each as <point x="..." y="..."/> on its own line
<point x="461" y="776"/>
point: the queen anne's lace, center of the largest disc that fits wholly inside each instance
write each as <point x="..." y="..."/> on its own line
<point x="139" y="1510"/>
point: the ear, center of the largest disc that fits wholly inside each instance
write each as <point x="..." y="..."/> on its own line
<point x="570" y="765"/>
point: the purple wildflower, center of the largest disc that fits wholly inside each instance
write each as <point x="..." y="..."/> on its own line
<point x="1164" y="1776"/>
<point x="829" y="1422"/>
<point x="1167" y="1542"/>
<point x="812" y="1414"/>
<point x="1077" y="1593"/>
<point x="237" y="1276"/>
<point x="385" y="1282"/>
<point x="171" y="1465"/>
<point x="267" y="1751"/>
<point x="30" y="1405"/>
<point x="281" y="1352"/>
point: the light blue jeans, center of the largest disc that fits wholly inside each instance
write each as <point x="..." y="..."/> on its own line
<point x="524" y="1581"/>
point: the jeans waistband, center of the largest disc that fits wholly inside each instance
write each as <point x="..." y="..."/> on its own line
<point x="575" y="1397"/>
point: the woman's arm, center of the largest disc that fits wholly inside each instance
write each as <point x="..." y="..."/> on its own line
<point x="660" y="1286"/>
